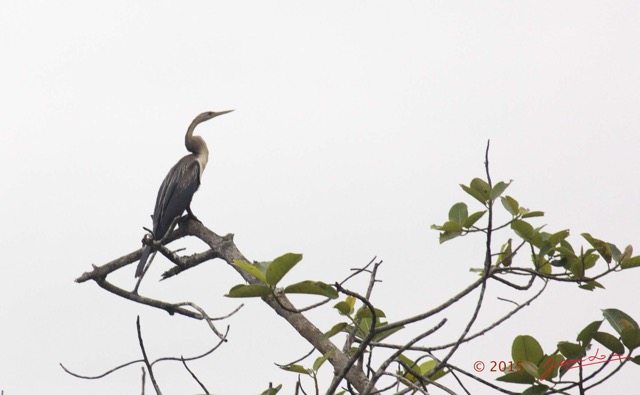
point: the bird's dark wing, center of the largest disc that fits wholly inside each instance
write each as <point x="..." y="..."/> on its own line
<point x="175" y="193"/>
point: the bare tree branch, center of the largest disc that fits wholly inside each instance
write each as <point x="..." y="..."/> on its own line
<point x="163" y="359"/>
<point x="146" y="360"/>
<point x="194" y="376"/>
<point x="227" y="250"/>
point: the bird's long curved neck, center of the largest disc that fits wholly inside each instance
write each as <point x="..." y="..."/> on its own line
<point x="196" y="145"/>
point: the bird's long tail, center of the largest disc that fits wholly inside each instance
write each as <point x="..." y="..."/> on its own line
<point x="143" y="260"/>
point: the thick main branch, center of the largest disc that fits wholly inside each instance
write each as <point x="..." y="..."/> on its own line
<point x="225" y="248"/>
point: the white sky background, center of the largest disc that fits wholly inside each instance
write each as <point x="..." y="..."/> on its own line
<point x="355" y="122"/>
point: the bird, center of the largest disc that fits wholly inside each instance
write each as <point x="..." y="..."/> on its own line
<point x="179" y="186"/>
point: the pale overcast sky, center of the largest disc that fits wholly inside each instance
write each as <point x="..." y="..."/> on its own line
<point x="355" y="122"/>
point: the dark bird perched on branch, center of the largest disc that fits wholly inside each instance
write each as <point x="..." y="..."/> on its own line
<point x="178" y="187"/>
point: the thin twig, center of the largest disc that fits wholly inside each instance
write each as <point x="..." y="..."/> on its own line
<point x="124" y="365"/>
<point x="478" y="379"/>
<point x="281" y="366"/>
<point x="141" y="361"/>
<point x="357" y="271"/>
<point x="144" y="378"/>
<point x="146" y="360"/>
<point x="194" y="376"/>
<point x="208" y="319"/>
<point x="433" y="311"/>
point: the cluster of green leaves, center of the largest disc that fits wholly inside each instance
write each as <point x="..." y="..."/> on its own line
<point x="361" y="321"/>
<point x="549" y="250"/>
<point x="540" y="370"/>
<point x="461" y="222"/>
<point x="270" y="274"/>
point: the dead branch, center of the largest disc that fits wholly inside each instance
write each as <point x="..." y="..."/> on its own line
<point x="226" y="250"/>
<point x="194" y="376"/>
<point x="146" y="359"/>
<point x="163" y="359"/>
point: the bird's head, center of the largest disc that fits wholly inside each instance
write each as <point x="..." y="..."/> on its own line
<point x="205" y="116"/>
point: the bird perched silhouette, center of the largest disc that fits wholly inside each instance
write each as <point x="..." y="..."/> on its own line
<point x="178" y="187"/>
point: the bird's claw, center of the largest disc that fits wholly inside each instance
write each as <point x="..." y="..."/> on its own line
<point x="147" y="240"/>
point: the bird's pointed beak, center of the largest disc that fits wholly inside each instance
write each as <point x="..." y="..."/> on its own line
<point x="223" y="112"/>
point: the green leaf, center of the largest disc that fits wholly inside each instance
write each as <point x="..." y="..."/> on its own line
<point x="351" y="300"/>
<point x="609" y="341"/>
<point x="262" y="266"/>
<point x="343" y="308"/>
<point x="526" y="348"/>
<point x="477" y="195"/>
<point x="591" y="285"/>
<point x="337" y="328"/>
<point x="506" y="254"/>
<point x="567" y="247"/>
<point x="281" y="266"/>
<point x="577" y="268"/>
<point x="458" y="214"/>
<point x="636" y="359"/>
<point x="320" y="360"/>
<point x="631" y="338"/>
<point x="558" y="237"/>
<point x="589" y="260"/>
<point x="364" y="327"/>
<point x="517" y="377"/>
<point x="548" y="368"/>
<point x="297" y="369"/>
<point x="523" y="229"/>
<point x="365" y="312"/>
<point x="619" y="320"/>
<point x="448" y="227"/>
<point x="530" y="368"/>
<point x="510" y="204"/>
<point x="586" y="335"/>
<point x="383" y="335"/>
<point x="571" y="350"/>
<point x="603" y="248"/>
<point x="532" y="214"/>
<point x="628" y="251"/>
<point x="448" y="235"/>
<point x="473" y="218"/>
<point x="615" y="252"/>
<point x="251" y="269"/>
<point x="248" y="291"/>
<point x="497" y="189"/>
<point x="536" y="389"/>
<point x="272" y="391"/>
<point x="482" y="187"/>
<point x="543" y="266"/>
<point x="426" y="368"/>
<point x="573" y="353"/>
<point x="630" y="262"/>
<point x="312" y="288"/>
